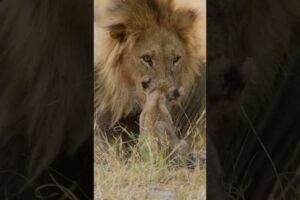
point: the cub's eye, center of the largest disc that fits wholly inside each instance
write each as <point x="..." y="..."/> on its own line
<point x="147" y="60"/>
<point x="176" y="59"/>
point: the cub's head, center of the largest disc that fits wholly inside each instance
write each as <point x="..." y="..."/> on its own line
<point x="160" y="92"/>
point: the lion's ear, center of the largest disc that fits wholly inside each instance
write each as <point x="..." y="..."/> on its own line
<point x="191" y="15"/>
<point x="118" y="32"/>
<point x="184" y="20"/>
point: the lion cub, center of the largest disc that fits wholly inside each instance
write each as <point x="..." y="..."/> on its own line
<point x="156" y="125"/>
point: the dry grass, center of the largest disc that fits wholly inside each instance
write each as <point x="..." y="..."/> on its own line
<point x="118" y="176"/>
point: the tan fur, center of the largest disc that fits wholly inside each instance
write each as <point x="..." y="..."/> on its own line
<point x="156" y="123"/>
<point x="147" y="25"/>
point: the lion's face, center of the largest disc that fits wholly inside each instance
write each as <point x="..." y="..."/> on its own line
<point x="158" y="53"/>
<point x="152" y="38"/>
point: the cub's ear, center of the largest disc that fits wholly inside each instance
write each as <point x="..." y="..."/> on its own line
<point x="146" y="82"/>
<point x="118" y="31"/>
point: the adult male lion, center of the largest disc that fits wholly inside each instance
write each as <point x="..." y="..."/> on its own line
<point x="138" y="38"/>
<point x="253" y="99"/>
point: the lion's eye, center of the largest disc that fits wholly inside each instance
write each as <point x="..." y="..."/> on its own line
<point x="147" y="60"/>
<point x="176" y="59"/>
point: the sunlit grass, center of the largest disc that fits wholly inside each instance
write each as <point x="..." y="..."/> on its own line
<point x="143" y="175"/>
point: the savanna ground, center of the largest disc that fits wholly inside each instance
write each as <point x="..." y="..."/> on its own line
<point x="120" y="176"/>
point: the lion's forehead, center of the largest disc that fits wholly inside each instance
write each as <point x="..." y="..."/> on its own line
<point x="160" y="44"/>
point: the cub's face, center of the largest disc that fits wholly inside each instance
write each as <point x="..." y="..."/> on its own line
<point x="157" y="53"/>
<point x="159" y="92"/>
